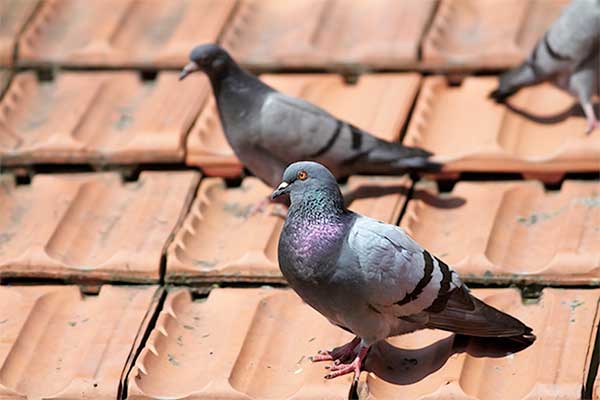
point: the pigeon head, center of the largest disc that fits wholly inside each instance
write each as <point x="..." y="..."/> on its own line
<point x="308" y="177"/>
<point x="210" y="58"/>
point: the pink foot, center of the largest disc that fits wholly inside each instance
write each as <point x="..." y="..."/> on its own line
<point x="592" y="124"/>
<point x="590" y="115"/>
<point x="355" y="366"/>
<point x="341" y="353"/>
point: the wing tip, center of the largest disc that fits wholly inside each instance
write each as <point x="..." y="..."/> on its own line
<point x="421" y="163"/>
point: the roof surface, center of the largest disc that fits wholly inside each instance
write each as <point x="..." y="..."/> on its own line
<point x="130" y="269"/>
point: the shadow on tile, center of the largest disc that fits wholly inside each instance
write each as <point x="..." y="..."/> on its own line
<point x="574" y="110"/>
<point x="370" y="191"/>
<point x="407" y="366"/>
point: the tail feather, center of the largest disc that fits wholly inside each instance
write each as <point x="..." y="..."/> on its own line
<point x="393" y="158"/>
<point x="512" y="81"/>
<point x="470" y="316"/>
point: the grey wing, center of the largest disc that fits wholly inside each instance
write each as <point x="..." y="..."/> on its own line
<point x="294" y="129"/>
<point x="576" y="33"/>
<point x="405" y="280"/>
<point x="569" y="40"/>
<point x="400" y="277"/>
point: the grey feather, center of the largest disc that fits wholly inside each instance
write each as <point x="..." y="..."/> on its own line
<point x="268" y="129"/>
<point x="369" y="277"/>
<point x="568" y="55"/>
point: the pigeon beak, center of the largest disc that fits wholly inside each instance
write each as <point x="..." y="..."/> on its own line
<point x="281" y="189"/>
<point x="188" y="69"/>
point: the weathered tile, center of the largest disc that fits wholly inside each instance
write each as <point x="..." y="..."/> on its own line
<point x="267" y="33"/>
<point x="487" y="33"/>
<point x="379" y="103"/>
<point x="434" y="365"/>
<point x="195" y="352"/>
<point x="512" y="231"/>
<point x="201" y="349"/>
<point x="91" y="226"/>
<point x="13" y="17"/>
<point x="468" y="131"/>
<point x="5" y="76"/>
<point x="218" y="242"/>
<point x="121" y="32"/>
<point x="56" y="343"/>
<point x="98" y="117"/>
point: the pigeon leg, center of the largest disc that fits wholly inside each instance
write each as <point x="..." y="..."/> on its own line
<point x="341" y="353"/>
<point x="590" y="115"/>
<point x="355" y="366"/>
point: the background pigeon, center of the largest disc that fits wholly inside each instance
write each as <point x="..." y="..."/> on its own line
<point x="371" y="278"/>
<point x="268" y="130"/>
<point x="568" y="55"/>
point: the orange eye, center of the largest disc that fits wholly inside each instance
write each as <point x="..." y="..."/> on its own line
<point x="302" y="175"/>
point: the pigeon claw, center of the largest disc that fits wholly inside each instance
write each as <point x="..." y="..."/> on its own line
<point x="339" y="354"/>
<point x="339" y="369"/>
<point x="345" y="369"/>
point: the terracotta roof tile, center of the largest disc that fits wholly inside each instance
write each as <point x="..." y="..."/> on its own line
<point x="195" y="352"/>
<point x="15" y="14"/>
<point x="98" y="117"/>
<point x="121" y="32"/>
<point x="507" y="231"/>
<point x="91" y="226"/>
<point x="201" y="349"/>
<point x="56" y="343"/>
<point x="487" y="33"/>
<point x="330" y="33"/>
<point x="379" y="103"/>
<point x="217" y="242"/>
<point x="5" y="76"/>
<point x="415" y="367"/>
<point x="472" y="133"/>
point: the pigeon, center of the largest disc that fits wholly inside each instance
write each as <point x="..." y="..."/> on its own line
<point x="568" y="55"/>
<point x="371" y="278"/>
<point x="269" y="130"/>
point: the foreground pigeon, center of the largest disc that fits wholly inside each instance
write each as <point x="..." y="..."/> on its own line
<point x="268" y="130"/>
<point x="371" y="278"/>
<point x="567" y="55"/>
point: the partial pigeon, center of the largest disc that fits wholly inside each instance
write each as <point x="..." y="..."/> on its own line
<point x="371" y="278"/>
<point x="567" y="55"/>
<point x="268" y="129"/>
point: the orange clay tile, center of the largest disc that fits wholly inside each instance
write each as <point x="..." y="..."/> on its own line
<point x="5" y="76"/>
<point x="13" y="17"/>
<point x="379" y="103"/>
<point x="238" y="344"/>
<point x="486" y="33"/>
<point x="512" y="231"/>
<point x="470" y="132"/>
<point x="121" y="32"/>
<point x="435" y="365"/>
<point x="327" y="34"/>
<point x="98" y="118"/>
<point x="56" y="343"/>
<point x="91" y="226"/>
<point x="218" y="242"/>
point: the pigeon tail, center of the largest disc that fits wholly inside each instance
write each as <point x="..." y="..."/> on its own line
<point x="514" y="80"/>
<point x="393" y="159"/>
<point x="467" y="315"/>
<point x="418" y="164"/>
